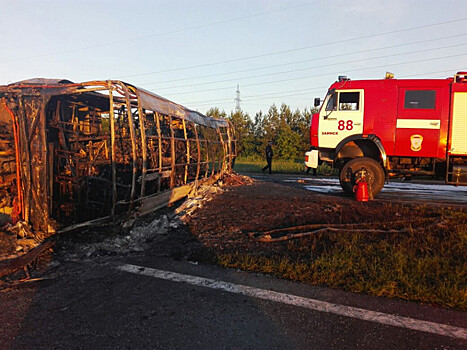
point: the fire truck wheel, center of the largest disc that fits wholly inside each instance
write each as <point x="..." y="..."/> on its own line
<point x="375" y="174"/>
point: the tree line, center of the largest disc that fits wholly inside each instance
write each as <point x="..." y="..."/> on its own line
<point x="288" y="130"/>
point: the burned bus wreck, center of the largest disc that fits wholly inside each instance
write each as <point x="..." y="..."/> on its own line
<point x="76" y="152"/>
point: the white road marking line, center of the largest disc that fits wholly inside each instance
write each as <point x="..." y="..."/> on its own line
<point x="313" y="304"/>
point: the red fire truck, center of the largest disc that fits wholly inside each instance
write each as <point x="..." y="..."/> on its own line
<point x="386" y="128"/>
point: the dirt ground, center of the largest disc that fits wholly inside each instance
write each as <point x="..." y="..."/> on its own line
<point x="220" y="220"/>
<point x="223" y="224"/>
<point x="411" y="251"/>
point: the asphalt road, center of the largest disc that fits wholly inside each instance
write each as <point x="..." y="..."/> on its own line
<point x="94" y="304"/>
<point x="145" y="300"/>
<point x="434" y="192"/>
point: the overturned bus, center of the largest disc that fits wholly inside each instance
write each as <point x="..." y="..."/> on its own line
<point x="85" y="152"/>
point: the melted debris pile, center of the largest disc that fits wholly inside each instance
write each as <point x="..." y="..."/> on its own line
<point x="237" y="180"/>
<point x="163" y="229"/>
<point x="18" y="239"/>
<point x="137" y="235"/>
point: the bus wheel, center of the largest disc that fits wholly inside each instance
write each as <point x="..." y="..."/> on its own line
<point x="372" y="170"/>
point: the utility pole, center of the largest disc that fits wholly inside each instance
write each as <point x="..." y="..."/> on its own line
<point x="238" y="100"/>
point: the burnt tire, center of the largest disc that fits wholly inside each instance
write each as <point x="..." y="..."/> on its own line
<point x="374" y="170"/>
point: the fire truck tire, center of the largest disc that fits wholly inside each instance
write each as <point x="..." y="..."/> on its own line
<point x="375" y="175"/>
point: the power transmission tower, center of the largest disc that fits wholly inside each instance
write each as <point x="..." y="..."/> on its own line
<point x="237" y="100"/>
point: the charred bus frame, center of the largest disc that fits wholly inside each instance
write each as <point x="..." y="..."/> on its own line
<point x="76" y="152"/>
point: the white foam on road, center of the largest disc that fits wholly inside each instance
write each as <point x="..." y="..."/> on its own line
<point x="323" y="189"/>
<point x="313" y="304"/>
<point x="420" y="191"/>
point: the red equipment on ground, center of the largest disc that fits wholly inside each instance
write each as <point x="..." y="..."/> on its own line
<point x="361" y="191"/>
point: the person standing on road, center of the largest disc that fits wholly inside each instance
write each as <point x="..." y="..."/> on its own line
<point x="308" y="170"/>
<point x="315" y="169"/>
<point x="269" y="156"/>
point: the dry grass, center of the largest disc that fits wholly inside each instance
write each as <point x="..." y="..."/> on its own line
<point x="426" y="264"/>
<point x="409" y="251"/>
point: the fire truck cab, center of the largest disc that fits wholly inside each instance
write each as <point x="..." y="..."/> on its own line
<point x="392" y="128"/>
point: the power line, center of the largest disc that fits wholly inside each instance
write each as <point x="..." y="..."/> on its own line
<point x="264" y="98"/>
<point x="163" y="33"/>
<point x="325" y="74"/>
<point x="296" y="49"/>
<point x="270" y="94"/>
<point x="249" y="98"/>
<point x="309" y="60"/>
<point x="302" y="91"/>
<point x="314" y="67"/>
<point x="429" y="73"/>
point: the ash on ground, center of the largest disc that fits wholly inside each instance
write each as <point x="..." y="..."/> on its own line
<point x="162" y="233"/>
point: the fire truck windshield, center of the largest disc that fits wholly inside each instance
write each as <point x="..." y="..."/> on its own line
<point x="331" y="104"/>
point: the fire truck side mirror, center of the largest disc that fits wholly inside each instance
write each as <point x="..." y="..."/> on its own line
<point x="317" y="101"/>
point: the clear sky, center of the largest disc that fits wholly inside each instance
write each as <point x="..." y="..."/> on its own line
<point x="196" y="52"/>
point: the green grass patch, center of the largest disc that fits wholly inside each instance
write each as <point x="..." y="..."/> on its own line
<point x="287" y="166"/>
<point x="428" y="266"/>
